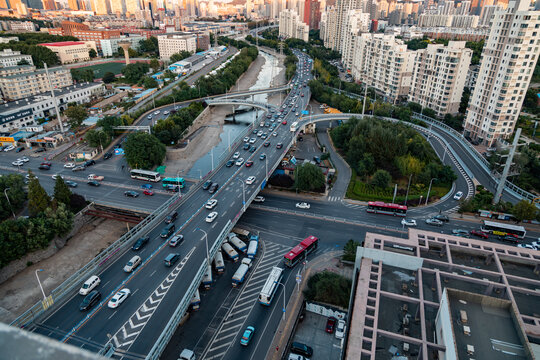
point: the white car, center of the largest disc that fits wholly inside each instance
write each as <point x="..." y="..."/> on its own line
<point x="211" y="217"/>
<point x="259" y="133"/>
<point x="250" y="180"/>
<point x="253" y="140"/>
<point x="536" y="244"/>
<point x="156" y="112"/>
<point x="118" y="298"/>
<point x="57" y="175"/>
<point x="23" y="159"/>
<point x="211" y="204"/>
<point x="9" y="148"/>
<point x="458" y="195"/>
<point x="166" y="112"/>
<point x="239" y="162"/>
<point x="274" y="133"/>
<point x="408" y="222"/>
<point x="69" y="165"/>
<point x="246" y="139"/>
<point x="259" y="199"/>
<point x="340" y="329"/>
<point x="18" y="163"/>
<point x="303" y="205"/>
<point x="526" y="246"/>
<point x="236" y="155"/>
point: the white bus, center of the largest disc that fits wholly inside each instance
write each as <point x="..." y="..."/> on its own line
<point x="270" y="286"/>
<point x="145" y="175"/>
<point x="294" y="126"/>
<point x="497" y="228"/>
<point x="196" y="300"/>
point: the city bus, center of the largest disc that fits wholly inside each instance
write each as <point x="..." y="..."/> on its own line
<point x="294" y="126"/>
<point x="270" y="286"/>
<point x="145" y="175"/>
<point x="178" y="181"/>
<point x="301" y="251"/>
<point x="503" y="229"/>
<point x="378" y="207"/>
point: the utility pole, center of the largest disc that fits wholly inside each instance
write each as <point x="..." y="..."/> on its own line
<point x="280" y="45"/>
<point x="257" y="33"/>
<point x="502" y="180"/>
<point x="54" y="99"/>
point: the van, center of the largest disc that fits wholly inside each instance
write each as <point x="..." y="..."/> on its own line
<point x="171" y="259"/>
<point x="168" y="231"/>
<point x="171" y="217"/>
<point x="302" y="349"/>
<point x="89" y="285"/>
<point x="187" y="354"/>
<point x="132" y="264"/>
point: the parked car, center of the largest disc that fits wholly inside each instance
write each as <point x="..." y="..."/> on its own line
<point x="340" y="329"/>
<point x="89" y="163"/>
<point x="259" y="199"/>
<point x="434" y="222"/>
<point x="330" y="324"/>
<point x="302" y="349"/>
<point x="480" y="234"/>
<point x="408" y="222"/>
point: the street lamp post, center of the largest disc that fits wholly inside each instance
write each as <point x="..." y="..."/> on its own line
<point x="178" y="182"/>
<point x="284" y="307"/>
<point x="266" y="163"/>
<point x="243" y="195"/>
<point x="429" y="190"/>
<point x="206" y="240"/>
<point x="310" y="112"/>
<point x="200" y="174"/>
<point x="212" y="159"/>
<point x="39" y="282"/>
<point x="9" y="202"/>
<point x="408" y="186"/>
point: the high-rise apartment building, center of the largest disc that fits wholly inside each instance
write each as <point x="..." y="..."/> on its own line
<point x="342" y="8"/>
<point x="312" y="13"/>
<point x="356" y="22"/>
<point x="19" y="82"/>
<point x="133" y="6"/>
<point x="507" y="64"/>
<point x="101" y="7"/>
<point x="73" y="5"/>
<point x="328" y="27"/>
<point x="439" y="76"/>
<point x="383" y="63"/>
<point x="290" y="26"/>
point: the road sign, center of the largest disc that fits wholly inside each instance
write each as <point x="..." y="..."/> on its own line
<point x="298" y="278"/>
<point x="305" y="112"/>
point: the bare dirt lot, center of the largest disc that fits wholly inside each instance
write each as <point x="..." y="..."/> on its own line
<point x="22" y="291"/>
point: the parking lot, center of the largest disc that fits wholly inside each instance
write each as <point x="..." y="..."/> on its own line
<point x="311" y="331"/>
<point x="307" y="148"/>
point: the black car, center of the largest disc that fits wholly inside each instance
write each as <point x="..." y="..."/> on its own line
<point x="252" y="149"/>
<point x="442" y="217"/>
<point x="229" y="163"/>
<point x="89" y="163"/>
<point x="70" y="183"/>
<point x="19" y="149"/>
<point x="207" y="185"/>
<point x="138" y="245"/>
<point x="213" y="188"/>
<point x="302" y="349"/>
<point x="93" y="183"/>
<point x="44" y="167"/>
<point x="131" y="193"/>
<point x="246" y="146"/>
<point x="171" y="217"/>
<point x="107" y="156"/>
<point x="40" y="150"/>
<point x="90" y="300"/>
<point x="279" y="145"/>
<point x="509" y="238"/>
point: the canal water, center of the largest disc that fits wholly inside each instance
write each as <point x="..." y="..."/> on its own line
<point x="234" y="132"/>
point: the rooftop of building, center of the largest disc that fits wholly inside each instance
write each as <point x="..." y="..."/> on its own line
<point x="407" y="277"/>
<point x="28" y="101"/>
<point x="63" y="43"/>
<point x="34" y="72"/>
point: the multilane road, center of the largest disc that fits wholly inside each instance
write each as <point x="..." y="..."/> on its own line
<point x="156" y="289"/>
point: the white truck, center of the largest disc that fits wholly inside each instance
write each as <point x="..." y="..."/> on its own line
<point x="231" y="253"/>
<point x="240" y="274"/>
<point x="239" y="244"/>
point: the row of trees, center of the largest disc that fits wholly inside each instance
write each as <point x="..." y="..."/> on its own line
<point x="170" y="130"/>
<point x="49" y="217"/>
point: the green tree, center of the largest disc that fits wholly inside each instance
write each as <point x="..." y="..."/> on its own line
<point x="38" y="200"/>
<point x="59" y="220"/>
<point x="179" y="56"/>
<point x="155" y="65"/>
<point x="524" y="210"/>
<point x="97" y="138"/>
<point x="15" y="192"/>
<point x="143" y="151"/>
<point x="149" y="45"/>
<point x="408" y="165"/>
<point x="309" y="177"/>
<point x="92" y="53"/>
<point x="134" y="72"/>
<point x="62" y="194"/>
<point x="108" y="77"/>
<point x="76" y="114"/>
<point x="381" y="179"/>
<point x="329" y="288"/>
<point x="149" y="82"/>
<point x="82" y="75"/>
<point x="349" y="250"/>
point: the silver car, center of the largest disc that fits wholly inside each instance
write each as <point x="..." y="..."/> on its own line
<point x="434" y="222"/>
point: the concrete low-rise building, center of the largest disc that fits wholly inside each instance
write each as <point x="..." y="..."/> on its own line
<point x="110" y="46"/>
<point x="174" y="43"/>
<point x="71" y="51"/>
<point x="9" y="57"/>
<point x="25" y="112"/>
<point x="18" y="82"/>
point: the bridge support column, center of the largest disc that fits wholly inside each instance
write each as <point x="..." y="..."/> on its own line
<point x="233" y="116"/>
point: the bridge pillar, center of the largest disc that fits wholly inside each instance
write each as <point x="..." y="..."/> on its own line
<point x="233" y="116"/>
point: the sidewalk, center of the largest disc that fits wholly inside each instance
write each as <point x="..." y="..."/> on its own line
<point x="328" y="261"/>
